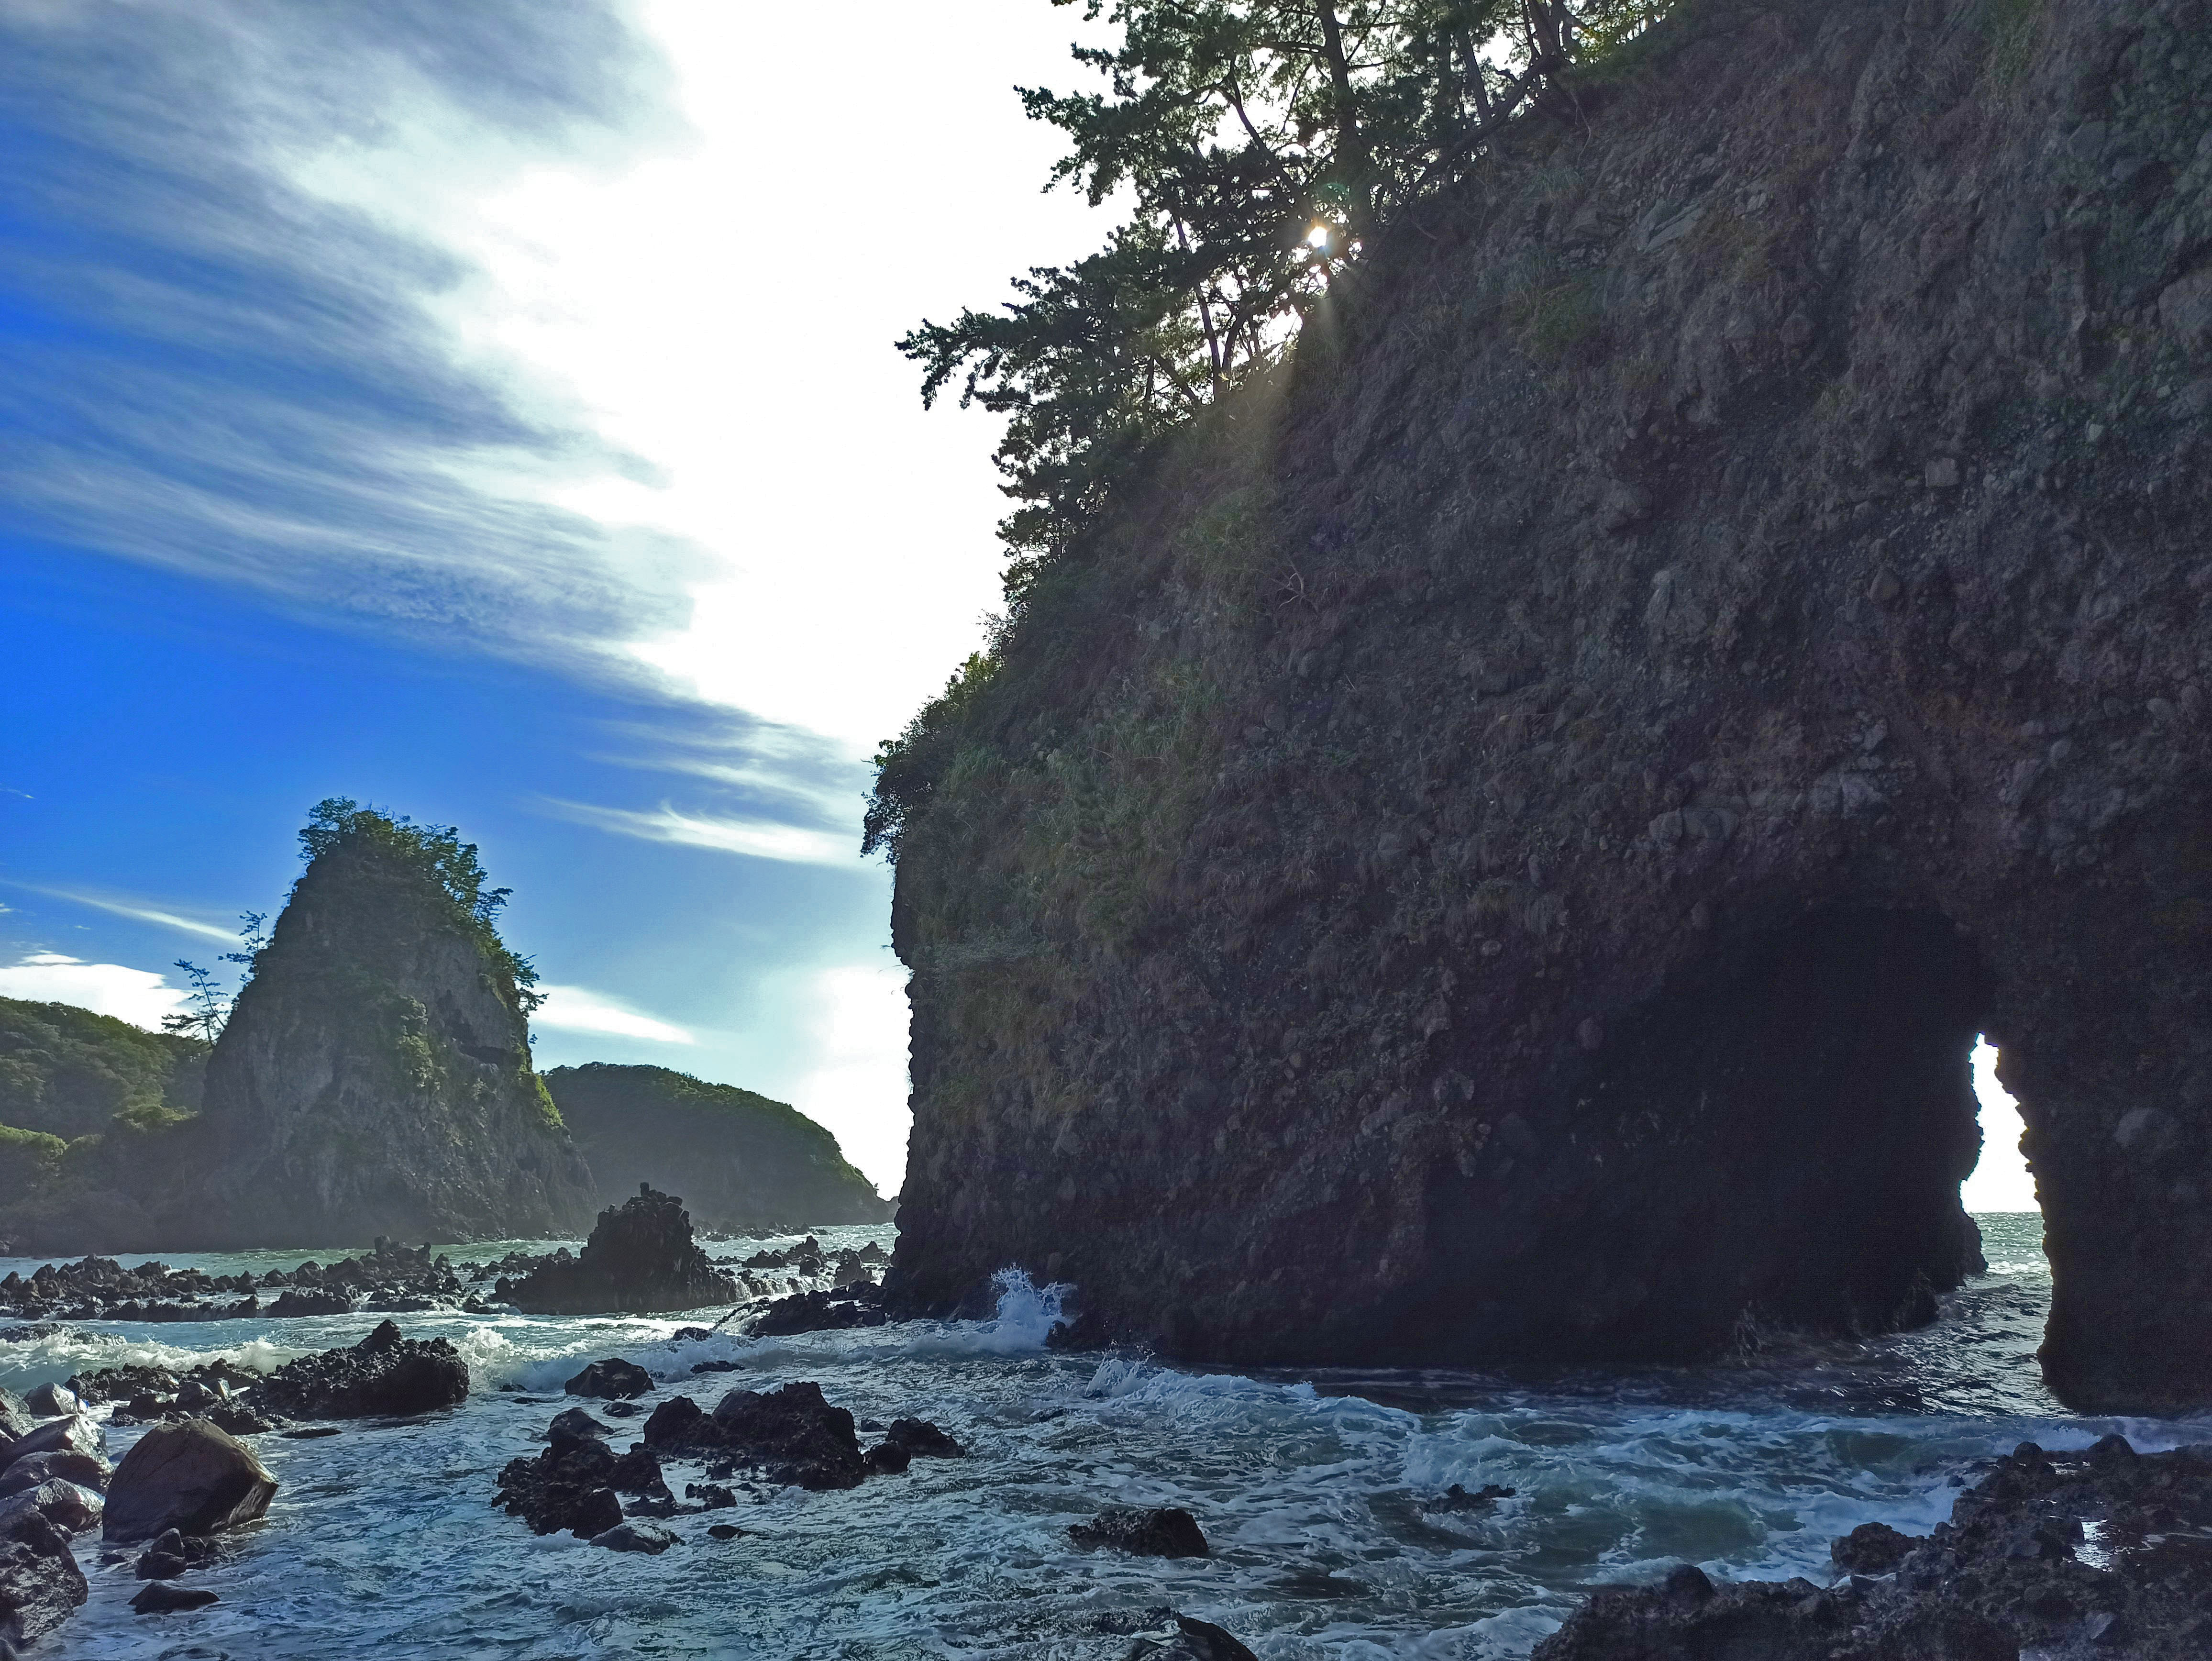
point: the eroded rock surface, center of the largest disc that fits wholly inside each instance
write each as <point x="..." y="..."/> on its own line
<point x="641" y="1256"/>
<point x="1501" y="849"/>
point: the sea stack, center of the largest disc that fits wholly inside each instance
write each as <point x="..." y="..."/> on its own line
<point x="375" y="1076"/>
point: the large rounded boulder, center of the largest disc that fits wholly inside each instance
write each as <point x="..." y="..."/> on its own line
<point x="191" y="1477"/>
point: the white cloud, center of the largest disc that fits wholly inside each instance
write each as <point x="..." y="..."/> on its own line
<point x="858" y="1085"/>
<point x="137" y="995"/>
<point x="2001" y="1182"/>
<point x="573" y="1009"/>
<point x="761" y="839"/>
<point x="123" y="905"/>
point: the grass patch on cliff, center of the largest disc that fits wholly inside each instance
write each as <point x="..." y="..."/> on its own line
<point x="2014" y="29"/>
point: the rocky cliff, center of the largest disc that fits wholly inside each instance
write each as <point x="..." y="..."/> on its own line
<point x="1502" y="851"/>
<point x="743" y="1162"/>
<point x="374" y="1078"/>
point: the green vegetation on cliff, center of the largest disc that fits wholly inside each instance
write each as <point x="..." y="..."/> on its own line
<point x="69" y="1072"/>
<point x="739" y="1161"/>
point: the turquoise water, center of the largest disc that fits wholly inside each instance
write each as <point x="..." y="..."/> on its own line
<point x="1312" y="1486"/>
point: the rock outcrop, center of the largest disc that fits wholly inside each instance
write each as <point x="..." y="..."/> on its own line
<point x="384" y="1373"/>
<point x="743" y="1162"/>
<point x="1501" y="848"/>
<point x="375" y="1076"/>
<point x="2098" y="1555"/>
<point x="641" y="1256"/>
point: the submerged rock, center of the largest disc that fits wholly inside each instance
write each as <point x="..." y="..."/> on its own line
<point x="384" y="1373"/>
<point x="159" y="1598"/>
<point x="612" y="1379"/>
<point x="171" y="1554"/>
<point x="191" y="1477"/>
<point x="2056" y="1556"/>
<point x="1160" y="1634"/>
<point x="1162" y="1531"/>
<point x="641" y="1257"/>
<point x="648" y="1537"/>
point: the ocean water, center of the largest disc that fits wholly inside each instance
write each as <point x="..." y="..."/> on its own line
<point x="1316" y="1488"/>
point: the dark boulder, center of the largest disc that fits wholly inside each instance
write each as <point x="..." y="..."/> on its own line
<point x="641" y="1256"/>
<point x="87" y="1470"/>
<point x="2005" y="1576"/>
<point x="1872" y="1549"/>
<point x="859" y="1305"/>
<point x="680" y="1424"/>
<point x="296" y="1303"/>
<point x="159" y="1598"/>
<point x="574" y="1482"/>
<point x="612" y="1379"/>
<point x="69" y="1508"/>
<point x="191" y="1477"/>
<point x="383" y="1374"/>
<point x="171" y="1554"/>
<point x="886" y="1459"/>
<point x="47" y="1402"/>
<point x="40" y="1584"/>
<point x="1162" y="1531"/>
<point x="923" y="1440"/>
<point x="75" y="1434"/>
<point x="648" y="1537"/>
<point x="792" y="1435"/>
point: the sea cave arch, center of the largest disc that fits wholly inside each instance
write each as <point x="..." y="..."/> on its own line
<point x="1788" y="1133"/>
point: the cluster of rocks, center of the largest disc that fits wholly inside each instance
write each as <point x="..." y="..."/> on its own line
<point x="2105" y="1553"/>
<point x="389" y="1278"/>
<point x="791" y="1436"/>
<point x="858" y="1304"/>
<point x="641" y="1257"/>
<point x="385" y="1375"/>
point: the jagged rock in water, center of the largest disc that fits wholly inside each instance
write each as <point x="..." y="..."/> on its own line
<point x="575" y="1483"/>
<point x="159" y="1598"/>
<point x="375" y="1076"/>
<point x="40" y="1584"/>
<point x="1161" y="1634"/>
<point x="792" y="1435"/>
<point x="860" y="1305"/>
<point x="2011" y="1574"/>
<point x="1569" y="763"/>
<point x="746" y="1162"/>
<point x="648" y="1537"/>
<point x="612" y="1379"/>
<point x="641" y="1257"/>
<point x="191" y="1477"/>
<point x="1161" y="1531"/>
<point x="384" y="1373"/>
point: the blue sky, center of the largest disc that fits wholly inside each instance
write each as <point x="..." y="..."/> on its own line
<point x="489" y="412"/>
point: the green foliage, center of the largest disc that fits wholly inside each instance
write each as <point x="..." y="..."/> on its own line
<point x="907" y="766"/>
<point x="440" y="858"/>
<point x="1259" y="142"/>
<point x="2014" y="26"/>
<point x="68" y="1072"/>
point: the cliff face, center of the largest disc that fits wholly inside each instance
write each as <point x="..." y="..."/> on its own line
<point x="1504" y="852"/>
<point x="374" y="1078"/>
<point x="743" y="1162"/>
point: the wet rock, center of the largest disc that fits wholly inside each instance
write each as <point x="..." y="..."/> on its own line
<point x="1872" y="1549"/>
<point x="648" y="1537"/>
<point x="612" y="1379"/>
<point x="40" y="1584"/>
<point x="792" y="1435"/>
<point x="711" y="1496"/>
<point x="923" y="1440"/>
<point x="574" y="1482"/>
<point x="1162" y="1531"/>
<point x="1086" y="1332"/>
<point x="171" y="1554"/>
<point x="159" y="1598"/>
<point x="641" y="1256"/>
<point x="886" y="1459"/>
<point x="191" y="1477"/>
<point x="723" y="1530"/>
<point x="75" y="1434"/>
<point x="69" y="1508"/>
<point x="1162" y="1635"/>
<point x="383" y="1374"/>
<point x="87" y="1470"/>
<point x="860" y="1305"/>
<point x="680" y="1424"/>
<point x="2004" y="1577"/>
<point x="48" y="1401"/>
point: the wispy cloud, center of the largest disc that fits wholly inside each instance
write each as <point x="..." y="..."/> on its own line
<point x="124" y="905"/>
<point x="573" y="1009"/>
<point x="137" y="995"/>
<point x="756" y="839"/>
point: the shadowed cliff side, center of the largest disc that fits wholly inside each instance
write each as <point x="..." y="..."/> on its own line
<point x="1502" y="852"/>
<point x="374" y="1076"/>
<point x="745" y="1162"/>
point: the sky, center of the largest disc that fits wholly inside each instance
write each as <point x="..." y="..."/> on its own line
<point x="489" y="413"/>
